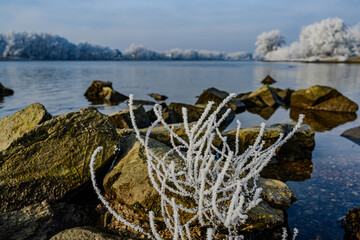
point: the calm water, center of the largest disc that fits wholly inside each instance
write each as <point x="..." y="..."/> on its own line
<point x="334" y="186"/>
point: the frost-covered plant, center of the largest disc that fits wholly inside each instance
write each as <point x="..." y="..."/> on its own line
<point x="220" y="184"/>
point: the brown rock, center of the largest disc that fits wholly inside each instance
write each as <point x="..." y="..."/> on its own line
<point x="83" y="233"/>
<point x="5" y="91"/>
<point x="21" y="122"/>
<point x="102" y="92"/>
<point x="158" y="97"/>
<point x="52" y="160"/>
<point x="268" y="80"/>
<point x="322" y="98"/>
<point x="353" y="134"/>
<point x="263" y="97"/>
<point x="122" y="119"/>
<point x="352" y="226"/>
<point x="212" y="94"/>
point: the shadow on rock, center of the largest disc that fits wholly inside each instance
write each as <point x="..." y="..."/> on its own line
<point x="321" y="121"/>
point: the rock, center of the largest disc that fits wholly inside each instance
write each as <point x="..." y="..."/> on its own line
<point x="321" y="121"/>
<point x="142" y="102"/>
<point x="83" y="233"/>
<point x="284" y="95"/>
<point x="352" y="225"/>
<point x="151" y="114"/>
<point x="173" y="113"/>
<point x="322" y="98"/>
<point x="158" y="97"/>
<point x="52" y="160"/>
<point x="268" y="80"/>
<point x="217" y="96"/>
<point x="300" y="146"/>
<point x="5" y="91"/>
<point x="42" y="220"/>
<point x="263" y="97"/>
<point x="160" y="133"/>
<point x="276" y="193"/>
<point x="101" y="92"/>
<point x="263" y="217"/>
<point x="122" y="119"/>
<point x="128" y="183"/>
<point x="236" y="105"/>
<point x="20" y="123"/>
<point x="352" y="134"/>
<point x="212" y="94"/>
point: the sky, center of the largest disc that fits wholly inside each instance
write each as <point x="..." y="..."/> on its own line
<point x="221" y="25"/>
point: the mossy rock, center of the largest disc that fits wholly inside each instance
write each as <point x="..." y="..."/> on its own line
<point x="53" y="159"/>
<point x="21" y="122"/>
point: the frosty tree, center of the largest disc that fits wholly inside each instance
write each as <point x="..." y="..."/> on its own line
<point x="220" y="183"/>
<point x="267" y="42"/>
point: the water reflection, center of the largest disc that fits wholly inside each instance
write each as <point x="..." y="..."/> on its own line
<point x="263" y="112"/>
<point x="297" y="170"/>
<point x="321" y="121"/>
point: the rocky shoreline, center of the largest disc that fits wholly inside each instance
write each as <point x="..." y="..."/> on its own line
<point x="44" y="163"/>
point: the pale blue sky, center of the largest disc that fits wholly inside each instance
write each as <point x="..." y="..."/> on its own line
<point x="224" y="25"/>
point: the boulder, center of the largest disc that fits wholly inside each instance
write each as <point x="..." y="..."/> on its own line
<point x="236" y="105"/>
<point x="151" y="114"/>
<point x="86" y="232"/>
<point x="20" y="123"/>
<point x="352" y="134"/>
<point x="284" y="95"/>
<point x="158" y="97"/>
<point x="300" y="146"/>
<point x="212" y="94"/>
<point x="321" y="121"/>
<point x="263" y="97"/>
<point x="122" y="119"/>
<point x="52" y="160"/>
<point x="352" y="225"/>
<point x="276" y="193"/>
<point x="101" y="92"/>
<point x="217" y="96"/>
<point x="322" y="98"/>
<point x="142" y="102"/>
<point x="128" y="184"/>
<point x="268" y="80"/>
<point x="5" y="91"/>
<point x="173" y="113"/>
<point x="42" y="220"/>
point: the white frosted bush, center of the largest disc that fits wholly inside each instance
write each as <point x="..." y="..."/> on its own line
<point x="220" y="183"/>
